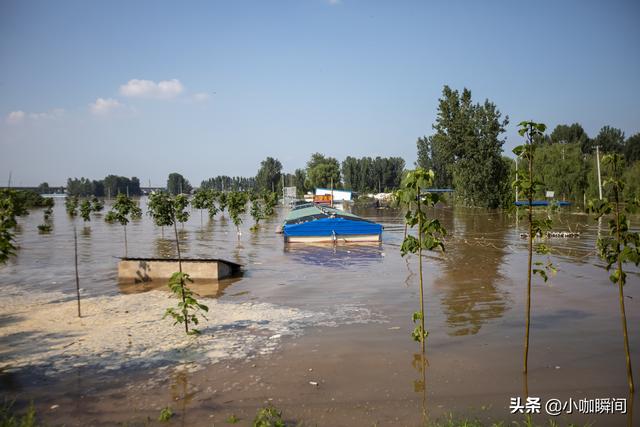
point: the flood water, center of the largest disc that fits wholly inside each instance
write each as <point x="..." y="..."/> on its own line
<point x="369" y="373"/>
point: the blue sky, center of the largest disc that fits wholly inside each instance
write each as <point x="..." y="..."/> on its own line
<point x="208" y="88"/>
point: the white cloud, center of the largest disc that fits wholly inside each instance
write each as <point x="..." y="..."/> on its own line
<point x="15" y="117"/>
<point x="201" y="96"/>
<point x="52" y="114"/>
<point x="103" y="106"/>
<point x="149" y="89"/>
<point x="20" y="116"/>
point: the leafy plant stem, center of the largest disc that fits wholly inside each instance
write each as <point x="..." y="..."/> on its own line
<point x="420" y="269"/>
<point x="175" y="229"/>
<point x="621" y="294"/>
<point x="530" y="259"/>
<point x="75" y="246"/>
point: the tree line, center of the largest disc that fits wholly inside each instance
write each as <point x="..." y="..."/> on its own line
<point x="110" y="186"/>
<point x="466" y="154"/>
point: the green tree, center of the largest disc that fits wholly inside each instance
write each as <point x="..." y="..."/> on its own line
<point x="300" y="178"/>
<point x="622" y="245"/>
<point x="466" y="149"/>
<point x="562" y="168"/>
<point x="222" y="202"/>
<point x="269" y="175"/>
<point x="97" y="205"/>
<point x="113" y="185"/>
<point x="44" y="188"/>
<point x="71" y="205"/>
<point x="177" y="184"/>
<point x="321" y="171"/>
<point x="367" y="174"/>
<point x="7" y="227"/>
<point x="237" y="207"/>
<point x="257" y="211"/>
<point x="123" y="210"/>
<point x="85" y="210"/>
<point x="14" y="204"/>
<point x="270" y="200"/>
<point x="631" y="179"/>
<point x="610" y="140"/>
<point x="632" y="149"/>
<point x="572" y="134"/>
<point x="212" y="197"/>
<point x="200" y="200"/>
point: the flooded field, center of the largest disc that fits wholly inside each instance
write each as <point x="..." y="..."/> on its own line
<point x="322" y="332"/>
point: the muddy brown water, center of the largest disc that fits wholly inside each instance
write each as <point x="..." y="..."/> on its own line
<point x="366" y="374"/>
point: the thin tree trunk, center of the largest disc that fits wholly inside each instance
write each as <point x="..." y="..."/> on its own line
<point x="621" y="298"/>
<point x="175" y="229"/>
<point x="125" y="242"/>
<point x="420" y="269"/>
<point x="75" y="245"/>
<point x="526" y="340"/>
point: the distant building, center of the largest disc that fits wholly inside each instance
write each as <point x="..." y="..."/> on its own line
<point x="338" y="195"/>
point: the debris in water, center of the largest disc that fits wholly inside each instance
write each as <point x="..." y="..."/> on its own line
<point x="313" y="383"/>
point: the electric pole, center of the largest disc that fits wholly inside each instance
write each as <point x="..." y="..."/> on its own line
<point x="598" y="163"/>
<point x="517" y="177"/>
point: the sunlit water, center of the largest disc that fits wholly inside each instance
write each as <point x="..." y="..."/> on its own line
<point x="474" y="296"/>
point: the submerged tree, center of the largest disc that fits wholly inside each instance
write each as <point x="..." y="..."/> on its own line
<point x="200" y="200"/>
<point x="222" y="202"/>
<point x="429" y="234"/>
<point x="122" y="211"/>
<point x="257" y="211"/>
<point x="166" y="211"/>
<point x="46" y="226"/>
<point x="622" y="245"/>
<point x="527" y="186"/>
<point x="237" y="206"/>
<point x="71" y="205"/>
<point x="97" y="205"/>
<point x="7" y="228"/>
<point x="270" y="200"/>
<point x="212" y="197"/>
<point x="85" y="210"/>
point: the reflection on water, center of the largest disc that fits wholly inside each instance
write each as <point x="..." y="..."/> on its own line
<point x="165" y="248"/>
<point x="468" y="284"/>
<point x="202" y="288"/>
<point x="335" y="256"/>
<point x="467" y="289"/>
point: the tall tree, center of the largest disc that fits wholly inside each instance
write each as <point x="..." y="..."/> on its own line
<point x="44" y="188"/>
<point x="632" y="148"/>
<point x="177" y="184"/>
<point x="466" y="149"/>
<point x="321" y="171"/>
<point x="269" y="175"/>
<point x="300" y="178"/>
<point x="572" y="134"/>
<point x="610" y="140"/>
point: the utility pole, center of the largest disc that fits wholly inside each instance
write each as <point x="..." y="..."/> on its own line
<point x="9" y="184"/>
<point x="331" y="191"/>
<point x="598" y="163"/>
<point x="517" y="177"/>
